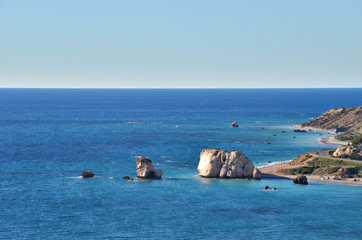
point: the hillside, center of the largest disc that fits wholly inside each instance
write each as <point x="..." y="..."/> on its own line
<point x="347" y="122"/>
<point x="311" y="163"/>
<point x="353" y="150"/>
<point x="345" y="161"/>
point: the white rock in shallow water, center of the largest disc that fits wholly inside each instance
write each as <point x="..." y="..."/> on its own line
<point x="220" y="163"/>
<point x="210" y="163"/>
<point x="145" y="169"/>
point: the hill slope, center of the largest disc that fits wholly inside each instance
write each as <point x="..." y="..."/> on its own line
<point x="347" y="122"/>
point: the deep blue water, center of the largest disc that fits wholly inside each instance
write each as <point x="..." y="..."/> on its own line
<point x="49" y="136"/>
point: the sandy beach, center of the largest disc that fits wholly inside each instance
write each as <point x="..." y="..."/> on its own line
<point x="331" y="140"/>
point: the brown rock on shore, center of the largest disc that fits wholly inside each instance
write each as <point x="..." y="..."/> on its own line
<point x="302" y="180"/>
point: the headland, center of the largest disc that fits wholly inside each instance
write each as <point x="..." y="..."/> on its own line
<point x="341" y="165"/>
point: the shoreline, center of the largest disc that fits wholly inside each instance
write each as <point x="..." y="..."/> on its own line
<point x="314" y="129"/>
<point x="330" y="140"/>
<point x="271" y="170"/>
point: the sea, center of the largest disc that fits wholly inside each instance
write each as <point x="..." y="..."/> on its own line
<point x="49" y="136"/>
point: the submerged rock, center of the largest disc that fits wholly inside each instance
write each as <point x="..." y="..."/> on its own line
<point x="87" y="174"/>
<point x="145" y="169"/>
<point x="301" y="180"/>
<point x="234" y="124"/>
<point x="215" y="163"/>
<point x="299" y="130"/>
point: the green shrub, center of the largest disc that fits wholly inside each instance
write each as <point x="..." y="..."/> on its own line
<point x="357" y="140"/>
<point x="289" y="171"/>
<point x="359" y="174"/>
<point x="305" y="170"/>
<point x="344" y="137"/>
<point x="352" y="171"/>
<point x="332" y="169"/>
<point x="355" y="156"/>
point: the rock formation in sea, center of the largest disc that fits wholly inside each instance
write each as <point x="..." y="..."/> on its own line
<point x="87" y="174"/>
<point x="145" y="169"/>
<point x="299" y="130"/>
<point x="301" y="180"/>
<point x="234" y="124"/>
<point x="216" y="163"/>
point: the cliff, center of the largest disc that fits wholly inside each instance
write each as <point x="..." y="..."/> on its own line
<point x="346" y="122"/>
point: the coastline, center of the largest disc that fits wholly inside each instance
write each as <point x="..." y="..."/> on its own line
<point x="331" y="140"/>
<point x="314" y="129"/>
<point x="271" y="171"/>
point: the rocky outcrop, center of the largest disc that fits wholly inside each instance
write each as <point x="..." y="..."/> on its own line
<point x="352" y="150"/>
<point x="256" y="173"/>
<point x="145" y="169"/>
<point x="87" y="174"/>
<point x="301" y="180"/>
<point x="215" y="163"/>
<point x="234" y="124"/>
<point x="343" y="151"/>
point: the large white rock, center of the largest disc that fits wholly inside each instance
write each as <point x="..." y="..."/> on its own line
<point x="210" y="163"/>
<point x="216" y="163"/>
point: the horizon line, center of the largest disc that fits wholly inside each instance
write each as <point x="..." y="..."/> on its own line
<point x="186" y="88"/>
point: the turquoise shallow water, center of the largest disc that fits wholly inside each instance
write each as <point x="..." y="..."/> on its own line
<point x="49" y="136"/>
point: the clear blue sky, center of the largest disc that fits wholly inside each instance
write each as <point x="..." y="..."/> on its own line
<point x="186" y="44"/>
